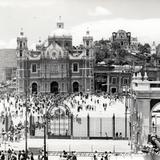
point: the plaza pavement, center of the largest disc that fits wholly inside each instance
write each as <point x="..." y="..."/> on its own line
<point x="82" y="146"/>
<point x="76" y="145"/>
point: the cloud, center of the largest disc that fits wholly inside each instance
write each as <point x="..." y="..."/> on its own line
<point x="99" y="11"/>
<point x="146" y="30"/>
<point x="25" y="4"/>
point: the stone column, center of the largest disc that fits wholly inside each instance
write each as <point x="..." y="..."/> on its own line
<point x="143" y="117"/>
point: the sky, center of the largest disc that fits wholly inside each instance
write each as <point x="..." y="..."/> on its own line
<point x="102" y="17"/>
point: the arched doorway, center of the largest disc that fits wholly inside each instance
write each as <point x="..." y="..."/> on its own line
<point x="34" y="88"/>
<point x="60" y="122"/>
<point x="54" y="87"/>
<point x="75" y="87"/>
<point x="113" y="90"/>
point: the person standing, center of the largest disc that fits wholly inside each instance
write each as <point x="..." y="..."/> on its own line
<point x="32" y="158"/>
<point x="105" y="155"/>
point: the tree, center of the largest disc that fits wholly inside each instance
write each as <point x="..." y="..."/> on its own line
<point x="116" y="46"/>
<point x="144" y="48"/>
<point x="100" y="55"/>
<point x="102" y="50"/>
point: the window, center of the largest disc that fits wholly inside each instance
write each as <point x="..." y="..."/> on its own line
<point x="21" y="65"/>
<point x="54" y="68"/>
<point x="91" y="73"/>
<point x="75" y="67"/>
<point x="20" y="44"/>
<point x="114" y="80"/>
<point x="34" y="68"/>
<point x="66" y="44"/>
<point x="87" y="52"/>
<point x="125" y="81"/>
<point x="62" y="87"/>
<point x="87" y="43"/>
<point x="62" y="67"/>
<point x="59" y="26"/>
<point x="20" y="53"/>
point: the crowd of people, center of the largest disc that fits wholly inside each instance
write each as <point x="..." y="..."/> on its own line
<point x="13" y="107"/>
<point x="73" y="156"/>
<point x="13" y="110"/>
<point x="14" y="155"/>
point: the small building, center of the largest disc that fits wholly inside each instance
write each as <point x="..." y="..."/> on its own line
<point x="122" y="37"/>
<point x="112" y="79"/>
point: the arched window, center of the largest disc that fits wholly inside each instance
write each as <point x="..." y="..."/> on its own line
<point x="34" y="68"/>
<point x="75" y="67"/>
<point x="20" y="45"/>
<point x="87" y="43"/>
<point x="20" y="53"/>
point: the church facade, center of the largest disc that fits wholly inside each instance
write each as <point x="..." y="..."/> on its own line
<point x="55" y="66"/>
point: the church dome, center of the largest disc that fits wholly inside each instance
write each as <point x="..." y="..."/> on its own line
<point x="60" y="31"/>
<point x="121" y="34"/>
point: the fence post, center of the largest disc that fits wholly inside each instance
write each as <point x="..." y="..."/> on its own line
<point x="88" y="126"/>
<point x="113" y="120"/>
<point x="71" y="125"/>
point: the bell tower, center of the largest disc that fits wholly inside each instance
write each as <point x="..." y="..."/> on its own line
<point x="21" y="45"/>
<point x="22" y="62"/>
<point x="88" y="40"/>
<point x="88" y="63"/>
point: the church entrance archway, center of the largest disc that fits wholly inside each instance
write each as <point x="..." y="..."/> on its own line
<point x="75" y="87"/>
<point x="34" y="88"/>
<point x="54" y="87"/>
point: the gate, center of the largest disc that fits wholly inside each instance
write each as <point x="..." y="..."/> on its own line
<point x="59" y="125"/>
